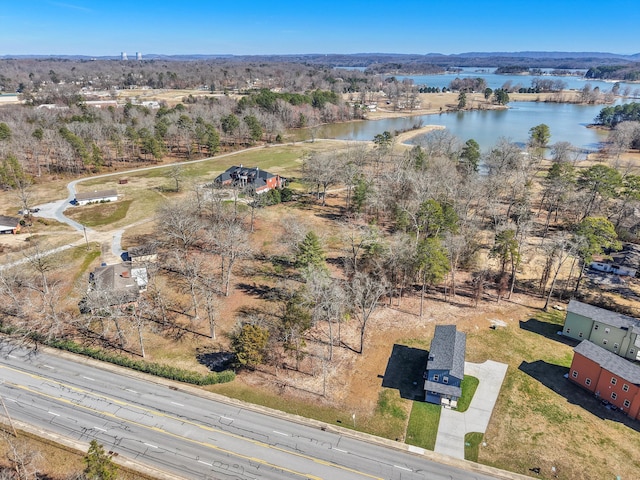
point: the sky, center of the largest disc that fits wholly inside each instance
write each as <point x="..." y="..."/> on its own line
<point x="253" y="27"/>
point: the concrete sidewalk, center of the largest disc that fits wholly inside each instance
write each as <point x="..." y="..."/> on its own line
<point x="454" y="425"/>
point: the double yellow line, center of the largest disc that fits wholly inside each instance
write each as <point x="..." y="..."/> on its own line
<point x="172" y="417"/>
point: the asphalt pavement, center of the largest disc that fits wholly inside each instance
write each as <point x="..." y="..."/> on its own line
<point x="193" y="434"/>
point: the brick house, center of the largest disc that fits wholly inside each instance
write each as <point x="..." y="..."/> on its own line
<point x="615" y="332"/>
<point x="445" y="366"/>
<point x="253" y="178"/>
<point x="607" y="376"/>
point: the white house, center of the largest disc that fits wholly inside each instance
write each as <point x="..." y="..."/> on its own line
<point x="97" y="196"/>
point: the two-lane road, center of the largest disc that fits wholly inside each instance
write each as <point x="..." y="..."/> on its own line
<point x="190" y="435"/>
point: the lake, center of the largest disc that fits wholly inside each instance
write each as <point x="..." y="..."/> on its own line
<point x="497" y="81"/>
<point x="567" y="122"/>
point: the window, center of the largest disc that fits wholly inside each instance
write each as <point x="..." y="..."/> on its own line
<point x="631" y="352"/>
<point x="574" y="374"/>
<point x="614" y="395"/>
<point x="596" y="326"/>
<point x="436" y="378"/>
<point x="604" y="341"/>
<point x="445" y="379"/>
<point x="615" y="346"/>
<point x="614" y="380"/>
<point x="587" y="382"/>
<point x="625" y="388"/>
<point x="607" y="330"/>
<point x="580" y="335"/>
<point x="568" y="330"/>
<point x="627" y="403"/>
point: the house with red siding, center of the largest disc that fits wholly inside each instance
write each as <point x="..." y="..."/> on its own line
<point x="607" y="376"/>
<point x="252" y="178"/>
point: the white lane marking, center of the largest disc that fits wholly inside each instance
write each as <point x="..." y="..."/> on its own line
<point x="98" y="428"/>
<point x="403" y="468"/>
<point x="129" y="390"/>
<point x="48" y="366"/>
<point x="11" y="356"/>
<point x="226" y="418"/>
<point x="205" y="463"/>
<point x="179" y="404"/>
<point x="54" y="414"/>
<point x="281" y="433"/>
<point x="339" y="450"/>
<point x="10" y="400"/>
<point x="149" y="445"/>
<point x="89" y="378"/>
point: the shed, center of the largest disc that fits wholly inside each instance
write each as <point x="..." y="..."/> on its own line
<point x="96" y="196"/>
<point x="9" y="224"/>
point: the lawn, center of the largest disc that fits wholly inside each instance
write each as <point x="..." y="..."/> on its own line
<point x="472" y="445"/>
<point x="423" y="425"/>
<point x="469" y="386"/>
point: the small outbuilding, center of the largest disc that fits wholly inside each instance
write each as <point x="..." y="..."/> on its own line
<point x="97" y="196"/>
<point x="9" y="225"/>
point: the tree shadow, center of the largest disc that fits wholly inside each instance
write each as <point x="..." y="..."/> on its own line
<point x="548" y="330"/>
<point x="216" y="361"/>
<point x="405" y="371"/>
<point x="552" y="377"/>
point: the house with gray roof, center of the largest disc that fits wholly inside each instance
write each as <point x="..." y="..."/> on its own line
<point x="445" y="366"/>
<point x="118" y="284"/>
<point x="608" y="376"/>
<point x="9" y="224"/>
<point x="613" y="331"/>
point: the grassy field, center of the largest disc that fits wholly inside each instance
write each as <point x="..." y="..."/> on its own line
<point x="422" y="429"/>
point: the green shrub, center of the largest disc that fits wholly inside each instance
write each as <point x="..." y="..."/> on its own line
<point x="157" y="369"/>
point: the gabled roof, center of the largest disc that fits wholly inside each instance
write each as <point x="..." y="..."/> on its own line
<point x="448" y="350"/>
<point x="253" y="175"/>
<point x="609" y="361"/>
<point x="9" y="221"/>
<point x="602" y="315"/>
<point x="96" y="195"/>
<point x="119" y="279"/>
<point x="442" y="388"/>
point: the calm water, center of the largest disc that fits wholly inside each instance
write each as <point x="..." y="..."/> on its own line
<point x="566" y="122"/>
<point x="497" y="81"/>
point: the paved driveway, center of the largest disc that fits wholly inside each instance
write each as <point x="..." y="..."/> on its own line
<point x="454" y="425"/>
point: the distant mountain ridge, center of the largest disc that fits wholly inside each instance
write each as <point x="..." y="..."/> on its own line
<point x="543" y="59"/>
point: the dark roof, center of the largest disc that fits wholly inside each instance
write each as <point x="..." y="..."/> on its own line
<point x="629" y="256"/>
<point x="96" y="195"/>
<point x="610" y="361"/>
<point x="442" y="388"/>
<point x="253" y="175"/>
<point x="143" y="250"/>
<point x="447" y="350"/>
<point x="602" y="315"/>
<point x="9" y="221"/>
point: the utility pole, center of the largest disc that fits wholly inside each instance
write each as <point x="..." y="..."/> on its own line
<point x="86" y="240"/>
<point x="15" y="434"/>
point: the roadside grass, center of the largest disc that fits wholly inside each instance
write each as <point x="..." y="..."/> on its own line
<point x="469" y="386"/>
<point x="423" y="425"/>
<point x="472" y="445"/>
<point x="388" y="420"/>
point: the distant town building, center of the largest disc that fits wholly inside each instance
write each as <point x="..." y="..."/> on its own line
<point x="123" y="56"/>
<point x="138" y="56"/>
